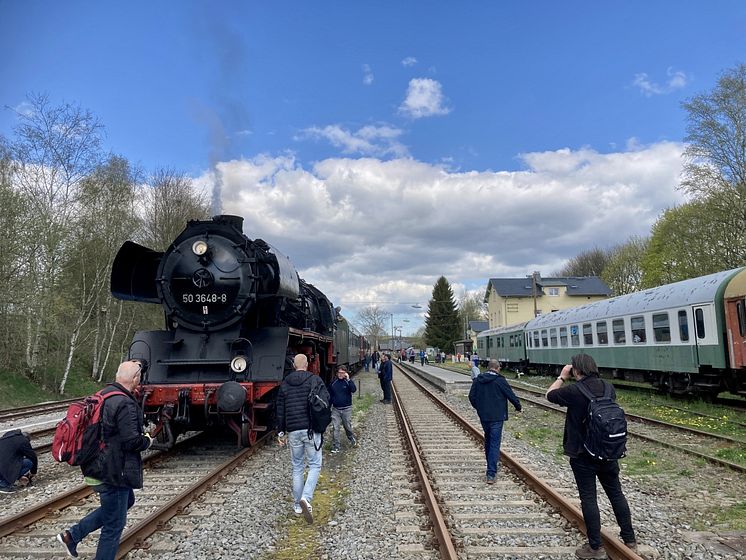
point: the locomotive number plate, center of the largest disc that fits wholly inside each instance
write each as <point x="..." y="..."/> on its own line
<point x="204" y="298"/>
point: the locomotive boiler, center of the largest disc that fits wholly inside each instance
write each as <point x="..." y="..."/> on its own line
<point x="236" y="312"/>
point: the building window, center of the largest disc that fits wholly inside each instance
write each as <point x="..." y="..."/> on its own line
<point x="563" y="337"/>
<point x="661" y="328"/>
<point x="601" y="332"/>
<point x="587" y="334"/>
<point x="639" y="336"/>
<point x="575" y="335"/>
<point x="512" y="308"/>
<point x="617" y="327"/>
<point x="553" y="338"/>
<point x="553" y="291"/>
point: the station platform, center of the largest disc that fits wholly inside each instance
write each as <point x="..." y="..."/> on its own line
<point x="444" y="379"/>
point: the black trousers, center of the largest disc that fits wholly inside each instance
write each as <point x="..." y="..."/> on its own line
<point x="386" y="388"/>
<point x="586" y="469"/>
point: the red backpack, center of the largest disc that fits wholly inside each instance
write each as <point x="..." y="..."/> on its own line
<point x="77" y="437"/>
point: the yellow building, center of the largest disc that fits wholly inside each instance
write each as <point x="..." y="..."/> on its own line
<point x="514" y="300"/>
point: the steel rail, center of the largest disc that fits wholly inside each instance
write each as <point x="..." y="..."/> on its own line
<point x="705" y="456"/>
<point x="135" y="536"/>
<point x="615" y="549"/>
<point x="13" y="523"/>
<point x="445" y="540"/>
<point x="41" y="408"/>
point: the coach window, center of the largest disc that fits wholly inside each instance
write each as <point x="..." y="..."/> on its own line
<point x="699" y="321"/>
<point x="536" y="339"/>
<point x="683" y="326"/>
<point x="511" y="341"/>
<point x="587" y="334"/>
<point x="661" y="328"/>
<point x="563" y="337"/>
<point x="638" y="330"/>
<point x="544" y="341"/>
<point x="553" y="338"/>
<point x="603" y="336"/>
<point x="617" y="327"/>
<point x="575" y="335"/>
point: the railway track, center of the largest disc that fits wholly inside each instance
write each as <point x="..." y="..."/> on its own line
<point x="172" y="481"/>
<point x="470" y="519"/>
<point x="35" y="409"/>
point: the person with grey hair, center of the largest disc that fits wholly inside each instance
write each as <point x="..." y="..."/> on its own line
<point x="18" y="462"/>
<point x="116" y="469"/>
<point x="586" y="468"/>
<point x="489" y="395"/>
<point x="294" y="429"/>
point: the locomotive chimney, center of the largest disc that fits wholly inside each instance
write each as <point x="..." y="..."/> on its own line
<point x="235" y="221"/>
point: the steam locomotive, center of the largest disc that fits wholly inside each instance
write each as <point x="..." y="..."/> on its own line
<point x="236" y="312"/>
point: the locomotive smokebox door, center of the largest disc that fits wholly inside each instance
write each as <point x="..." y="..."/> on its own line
<point x="231" y="397"/>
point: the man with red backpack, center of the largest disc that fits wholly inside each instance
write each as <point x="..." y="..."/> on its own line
<point x="116" y="469"/>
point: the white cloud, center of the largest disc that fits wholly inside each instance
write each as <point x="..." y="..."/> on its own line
<point x="676" y="80"/>
<point x="367" y="230"/>
<point x="24" y="108"/>
<point x="367" y="75"/>
<point x="380" y="140"/>
<point x="424" y="99"/>
<point x="409" y="61"/>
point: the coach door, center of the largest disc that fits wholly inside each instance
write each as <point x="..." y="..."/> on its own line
<point x="735" y="328"/>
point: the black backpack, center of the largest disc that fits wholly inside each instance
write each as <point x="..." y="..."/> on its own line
<point x="606" y="424"/>
<point x="319" y="409"/>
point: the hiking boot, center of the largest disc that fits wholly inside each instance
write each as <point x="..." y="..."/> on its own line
<point x="586" y="551"/>
<point x="7" y="489"/>
<point x="67" y="541"/>
<point x="490" y="480"/>
<point x="307" y="510"/>
<point x="353" y="442"/>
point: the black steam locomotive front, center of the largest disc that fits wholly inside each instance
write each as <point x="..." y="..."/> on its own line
<point x="235" y="309"/>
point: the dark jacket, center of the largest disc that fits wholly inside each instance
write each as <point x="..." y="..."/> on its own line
<point x="292" y="400"/>
<point x="490" y="393"/>
<point x="120" y="461"/>
<point x="340" y="392"/>
<point x="577" y="409"/>
<point x="14" y="447"/>
<point x="387" y="370"/>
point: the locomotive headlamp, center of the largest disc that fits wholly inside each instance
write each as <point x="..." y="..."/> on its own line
<point x="238" y="364"/>
<point x="199" y="248"/>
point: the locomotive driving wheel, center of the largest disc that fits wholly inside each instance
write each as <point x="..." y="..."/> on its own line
<point x="248" y="436"/>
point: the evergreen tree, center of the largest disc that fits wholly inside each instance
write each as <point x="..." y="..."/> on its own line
<point x="442" y="327"/>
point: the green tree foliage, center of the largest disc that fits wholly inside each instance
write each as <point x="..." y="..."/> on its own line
<point x="623" y="270"/>
<point x="442" y="327"/>
<point x="588" y="263"/>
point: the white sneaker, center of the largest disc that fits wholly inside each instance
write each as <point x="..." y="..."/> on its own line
<point x="297" y="509"/>
<point x="307" y="510"/>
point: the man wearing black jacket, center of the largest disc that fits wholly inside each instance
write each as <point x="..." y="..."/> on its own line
<point x="17" y="460"/>
<point x="294" y="428"/>
<point x="116" y="470"/>
<point x="386" y="376"/>
<point x="585" y="468"/>
<point x="489" y="394"/>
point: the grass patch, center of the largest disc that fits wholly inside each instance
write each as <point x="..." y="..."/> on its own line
<point x="732" y="454"/>
<point x="732" y="517"/>
<point x="17" y="390"/>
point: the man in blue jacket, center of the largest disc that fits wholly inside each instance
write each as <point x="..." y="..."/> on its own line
<point x="340" y="395"/>
<point x="489" y="395"/>
<point x="386" y="376"/>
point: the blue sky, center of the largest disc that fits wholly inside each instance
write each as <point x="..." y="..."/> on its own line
<point x="489" y="115"/>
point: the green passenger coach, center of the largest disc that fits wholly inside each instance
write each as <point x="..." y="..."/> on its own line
<point x="506" y="344"/>
<point x="686" y="337"/>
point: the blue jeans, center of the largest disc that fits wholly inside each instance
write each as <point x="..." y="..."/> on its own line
<point x="26" y="465"/>
<point x="302" y="450"/>
<point x="586" y="469"/>
<point x="493" y="434"/>
<point x="111" y="517"/>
